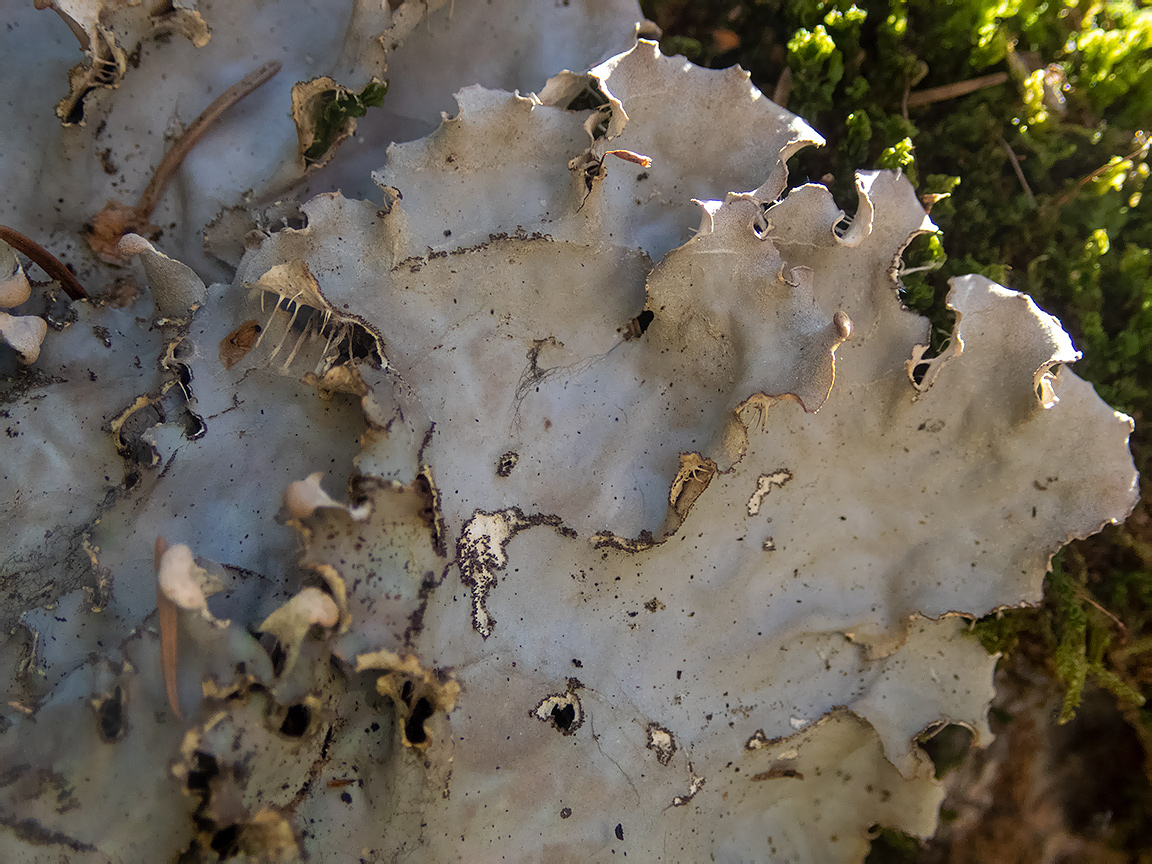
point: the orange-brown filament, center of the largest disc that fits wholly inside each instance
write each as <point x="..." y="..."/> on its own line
<point x="629" y="156"/>
<point x="169" y="634"/>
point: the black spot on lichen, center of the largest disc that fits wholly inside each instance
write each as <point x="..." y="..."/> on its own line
<point x="414" y="727"/>
<point x="278" y="657"/>
<point x="110" y="717"/>
<point x="431" y="512"/>
<point x="203" y="769"/>
<point x="638" y="325"/>
<point x="32" y="832"/>
<point x="564" y="716"/>
<point x="296" y="721"/>
<point x="226" y="842"/>
<point x="562" y="711"/>
<point x="507" y="463"/>
<point x="416" y="619"/>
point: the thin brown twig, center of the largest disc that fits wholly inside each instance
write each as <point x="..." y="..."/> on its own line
<point x="197" y="130"/>
<point x="1086" y="595"/>
<point x="1084" y="181"/>
<point x="910" y="82"/>
<point x="1019" y="172"/>
<point x="110" y="225"/>
<point x="45" y="260"/>
<point x="954" y="90"/>
<point x="1078" y="567"/>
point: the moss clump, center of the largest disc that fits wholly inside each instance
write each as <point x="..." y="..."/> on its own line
<point x="338" y="106"/>
<point x="1076" y="630"/>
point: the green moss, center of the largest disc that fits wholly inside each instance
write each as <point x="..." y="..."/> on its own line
<point x="1114" y="63"/>
<point x="685" y="45"/>
<point x="1000" y="632"/>
<point x="1076" y="630"/>
<point x="890" y="846"/>
<point x="335" y="110"/>
<point x="817" y="66"/>
<point x="858" y="134"/>
<point x="1070" y="654"/>
<point x="899" y="157"/>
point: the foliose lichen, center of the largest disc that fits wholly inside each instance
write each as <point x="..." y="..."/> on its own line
<point x="661" y="518"/>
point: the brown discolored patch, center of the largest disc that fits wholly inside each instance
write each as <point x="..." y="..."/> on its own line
<point x="238" y="343"/>
<point x="111" y="224"/>
<point x="777" y="772"/>
<point x="106" y="161"/>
